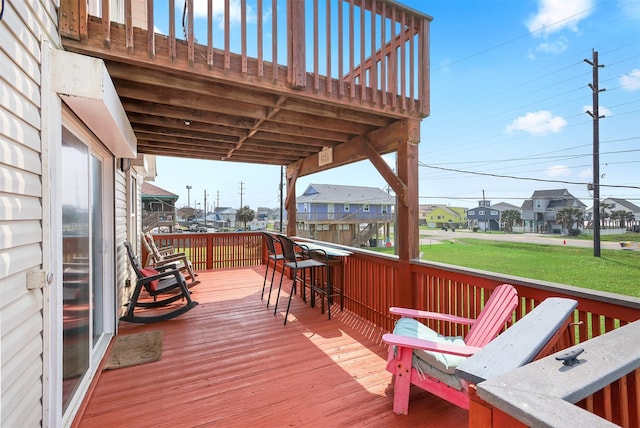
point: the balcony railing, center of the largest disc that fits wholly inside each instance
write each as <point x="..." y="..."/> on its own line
<point x="354" y="217"/>
<point x="372" y="52"/>
<point x="369" y="281"/>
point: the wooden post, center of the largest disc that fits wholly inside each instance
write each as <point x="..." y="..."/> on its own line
<point x="290" y="201"/>
<point x="296" y="53"/>
<point x="406" y="233"/>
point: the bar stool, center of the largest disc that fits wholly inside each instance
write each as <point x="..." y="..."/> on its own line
<point x="273" y="254"/>
<point x="298" y="259"/>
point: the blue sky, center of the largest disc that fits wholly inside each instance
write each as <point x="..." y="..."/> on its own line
<point x="509" y="92"/>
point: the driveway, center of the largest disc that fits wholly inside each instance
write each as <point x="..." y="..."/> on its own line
<point x="435" y="236"/>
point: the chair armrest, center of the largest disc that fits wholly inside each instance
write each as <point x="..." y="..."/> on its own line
<point x="412" y="342"/>
<point x="416" y="313"/>
<point x="174" y="257"/>
<point x="161" y="274"/>
<point x="166" y="250"/>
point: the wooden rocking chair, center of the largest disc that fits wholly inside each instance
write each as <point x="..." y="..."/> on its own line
<point x="162" y="280"/>
<point x="167" y="256"/>
<point x="422" y="357"/>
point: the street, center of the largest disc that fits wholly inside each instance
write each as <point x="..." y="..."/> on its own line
<point x="434" y="236"/>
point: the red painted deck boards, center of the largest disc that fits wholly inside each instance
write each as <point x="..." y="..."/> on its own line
<point x="231" y="363"/>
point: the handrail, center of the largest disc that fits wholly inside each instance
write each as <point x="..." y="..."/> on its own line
<point x="549" y="393"/>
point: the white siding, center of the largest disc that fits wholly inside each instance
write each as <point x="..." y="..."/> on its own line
<point x="121" y="215"/>
<point x="24" y="25"/>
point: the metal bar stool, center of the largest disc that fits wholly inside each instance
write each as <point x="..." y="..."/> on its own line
<point x="292" y="252"/>
<point x="273" y="254"/>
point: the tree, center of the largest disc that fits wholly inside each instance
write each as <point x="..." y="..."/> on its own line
<point x="603" y="211"/>
<point x="567" y="217"/>
<point x="622" y="217"/>
<point x="245" y="215"/>
<point x="511" y="218"/>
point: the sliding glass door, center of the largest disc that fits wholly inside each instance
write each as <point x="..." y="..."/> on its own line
<point x="86" y="264"/>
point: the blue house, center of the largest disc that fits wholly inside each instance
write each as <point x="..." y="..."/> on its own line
<point x="484" y="217"/>
<point x="349" y="215"/>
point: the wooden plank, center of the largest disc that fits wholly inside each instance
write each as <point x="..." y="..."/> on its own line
<point x="243" y="26"/>
<point x="172" y="31"/>
<point x="218" y="368"/>
<point x="151" y="40"/>
<point x="520" y="343"/>
<point x="128" y="17"/>
<point x="297" y="45"/>
<point x="260" y="40"/>
<point x="210" y="55"/>
<point x="106" y="23"/>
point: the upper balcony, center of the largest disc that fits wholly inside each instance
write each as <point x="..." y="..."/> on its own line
<point x="273" y="82"/>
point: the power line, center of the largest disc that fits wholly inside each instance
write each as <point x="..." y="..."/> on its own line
<point x="544" y="180"/>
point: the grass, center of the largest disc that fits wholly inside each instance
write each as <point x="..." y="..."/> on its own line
<point x="616" y="271"/>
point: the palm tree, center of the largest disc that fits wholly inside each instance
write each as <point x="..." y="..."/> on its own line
<point x="245" y="215"/>
<point x="567" y="217"/>
<point x="603" y="211"/>
<point x="511" y="218"/>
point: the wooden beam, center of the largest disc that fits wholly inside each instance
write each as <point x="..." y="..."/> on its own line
<point x="384" y="140"/>
<point x="383" y="168"/>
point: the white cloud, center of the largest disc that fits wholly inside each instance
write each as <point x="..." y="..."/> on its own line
<point x="586" y="174"/>
<point x="631" y="81"/>
<point x="557" y="171"/>
<point x="557" y="15"/>
<point x="200" y="9"/>
<point x="602" y="111"/>
<point x="555" y="48"/>
<point x="539" y="123"/>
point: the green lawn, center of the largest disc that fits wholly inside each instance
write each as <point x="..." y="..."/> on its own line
<point x="615" y="271"/>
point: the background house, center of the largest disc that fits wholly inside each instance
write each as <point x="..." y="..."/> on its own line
<point x="611" y="218"/>
<point x="484" y="216"/>
<point x="350" y="215"/>
<point x="442" y="216"/>
<point x="158" y="208"/>
<point x="539" y="212"/>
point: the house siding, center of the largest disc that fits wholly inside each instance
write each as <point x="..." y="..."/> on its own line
<point x="24" y="25"/>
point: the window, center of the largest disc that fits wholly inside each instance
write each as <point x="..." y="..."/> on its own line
<point x="346" y="206"/>
<point x="481" y="212"/>
<point x="472" y="213"/>
<point x="365" y="208"/>
<point x="494" y="212"/>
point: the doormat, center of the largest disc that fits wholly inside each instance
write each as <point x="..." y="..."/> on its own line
<point x="134" y="349"/>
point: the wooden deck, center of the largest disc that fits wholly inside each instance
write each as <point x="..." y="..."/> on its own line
<point x="229" y="362"/>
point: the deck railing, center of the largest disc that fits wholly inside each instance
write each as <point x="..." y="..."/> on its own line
<point x="374" y="52"/>
<point x="369" y="281"/>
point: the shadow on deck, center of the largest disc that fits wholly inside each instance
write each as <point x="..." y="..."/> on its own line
<point x="230" y="362"/>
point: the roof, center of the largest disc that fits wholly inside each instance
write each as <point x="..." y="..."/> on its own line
<point x="148" y="189"/>
<point x="332" y="193"/>
<point x="628" y="205"/>
<point x="503" y="206"/>
<point x="558" y="198"/>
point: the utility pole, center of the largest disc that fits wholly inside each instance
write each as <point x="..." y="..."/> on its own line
<point x="205" y="208"/>
<point x="595" y="114"/>
<point x="241" y="193"/>
<point x="189" y="195"/>
<point x="281" y="195"/>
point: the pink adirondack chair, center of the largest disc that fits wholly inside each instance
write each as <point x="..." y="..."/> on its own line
<point x="420" y="356"/>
